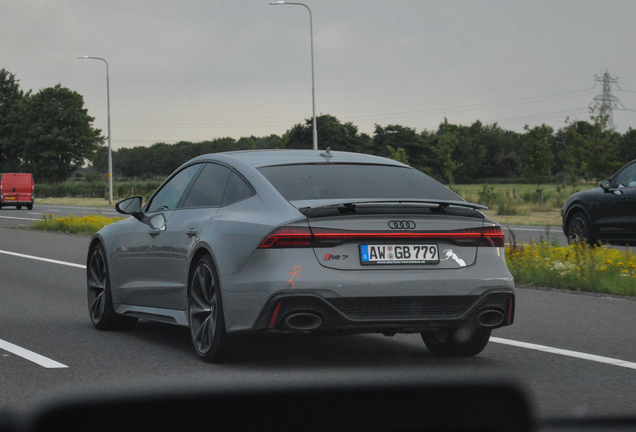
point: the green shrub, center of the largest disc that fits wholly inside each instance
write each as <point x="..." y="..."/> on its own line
<point x="575" y="267"/>
<point x="89" y="224"/>
<point x="510" y="207"/>
<point x="487" y="195"/>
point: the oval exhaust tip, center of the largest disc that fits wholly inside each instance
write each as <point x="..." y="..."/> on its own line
<point x="490" y="318"/>
<point x="303" y="321"/>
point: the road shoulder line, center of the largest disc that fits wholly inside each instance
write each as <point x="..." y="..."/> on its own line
<point x="575" y="292"/>
<point x="17" y="218"/>
<point x="30" y="355"/>
<point x="567" y="353"/>
<point x="43" y="259"/>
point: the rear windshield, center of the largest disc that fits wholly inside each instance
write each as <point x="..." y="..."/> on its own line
<point x="353" y="181"/>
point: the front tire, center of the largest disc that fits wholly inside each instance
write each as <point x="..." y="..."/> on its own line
<point x="580" y="230"/>
<point x="457" y="342"/>
<point x="205" y="311"/>
<point x="100" y="303"/>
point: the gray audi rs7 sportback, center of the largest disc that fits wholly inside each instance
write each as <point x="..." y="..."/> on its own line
<point x="303" y="241"/>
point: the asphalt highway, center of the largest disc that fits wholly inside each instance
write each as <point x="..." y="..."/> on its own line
<point x="574" y="353"/>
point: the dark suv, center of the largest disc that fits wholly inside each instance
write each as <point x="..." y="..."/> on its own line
<point x="606" y="214"/>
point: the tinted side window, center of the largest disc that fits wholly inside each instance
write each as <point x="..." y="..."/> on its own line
<point x="627" y="177"/>
<point x="170" y="194"/>
<point x="236" y="190"/>
<point x="208" y="188"/>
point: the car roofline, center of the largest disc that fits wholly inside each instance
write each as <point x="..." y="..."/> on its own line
<point x="274" y="157"/>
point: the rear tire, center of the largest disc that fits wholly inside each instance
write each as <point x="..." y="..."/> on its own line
<point x="456" y="343"/>
<point x="29" y="206"/>
<point x="100" y="303"/>
<point x="205" y="312"/>
<point x="580" y="230"/>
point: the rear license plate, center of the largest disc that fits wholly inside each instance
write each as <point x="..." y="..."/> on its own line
<point x="399" y="254"/>
<point x="10" y="197"/>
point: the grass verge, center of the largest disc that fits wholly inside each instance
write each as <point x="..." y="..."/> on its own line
<point x="88" y="225"/>
<point x="552" y="218"/>
<point x="575" y="267"/>
<point x="84" y="202"/>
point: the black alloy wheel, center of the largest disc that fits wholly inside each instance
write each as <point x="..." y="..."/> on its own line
<point x="205" y="310"/>
<point x="579" y="230"/>
<point x="457" y="342"/>
<point x="100" y="304"/>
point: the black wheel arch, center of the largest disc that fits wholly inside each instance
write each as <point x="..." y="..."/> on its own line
<point x="592" y="237"/>
<point x="574" y="209"/>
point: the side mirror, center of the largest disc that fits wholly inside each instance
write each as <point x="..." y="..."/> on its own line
<point x="129" y="206"/>
<point x="605" y="184"/>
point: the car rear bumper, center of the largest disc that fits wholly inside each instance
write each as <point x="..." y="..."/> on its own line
<point x="12" y="198"/>
<point x="15" y="202"/>
<point x="296" y="311"/>
<point x="290" y="272"/>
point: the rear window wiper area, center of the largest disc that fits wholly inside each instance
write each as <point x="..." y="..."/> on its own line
<point x="390" y="207"/>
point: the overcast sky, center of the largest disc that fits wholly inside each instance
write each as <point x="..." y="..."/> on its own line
<point x="198" y="70"/>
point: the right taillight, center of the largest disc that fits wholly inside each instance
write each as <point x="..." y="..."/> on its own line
<point x="492" y="236"/>
<point x="287" y="237"/>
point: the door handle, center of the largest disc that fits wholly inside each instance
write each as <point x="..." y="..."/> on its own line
<point x="191" y="232"/>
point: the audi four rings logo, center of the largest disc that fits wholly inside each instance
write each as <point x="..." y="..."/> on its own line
<point x="402" y="224"/>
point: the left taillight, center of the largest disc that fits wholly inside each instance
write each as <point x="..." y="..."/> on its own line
<point x="287" y="237"/>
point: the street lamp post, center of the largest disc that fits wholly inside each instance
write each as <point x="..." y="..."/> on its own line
<point x="110" y="156"/>
<point x="313" y="90"/>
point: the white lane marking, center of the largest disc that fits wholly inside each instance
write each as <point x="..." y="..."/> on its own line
<point x="568" y="353"/>
<point x="43" y="259"/>
<point x="18" y="218"/>
<point x="30" y="355"/>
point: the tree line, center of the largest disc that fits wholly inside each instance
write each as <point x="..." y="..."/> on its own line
<point x="581" y="150"/>
<point x="50" y="134"/>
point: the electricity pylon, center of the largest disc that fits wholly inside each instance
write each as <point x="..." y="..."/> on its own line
<point x="606" y="102"/>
